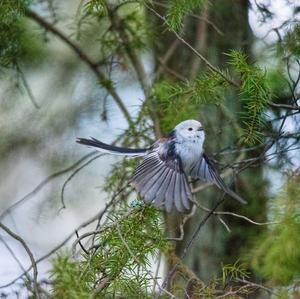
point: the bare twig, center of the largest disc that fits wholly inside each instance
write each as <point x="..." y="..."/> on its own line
<point x="284" y="106"/>
<point x="181" y="226"/>
<point x="232" y="293"/>
<point x="43" y="183"/>
<point x="27" y="88"/>
<point x="80" y="244"/>
<point x="12" y="254"/>
<point x="71" y="177"/>
<point x="257" y="286"/>
<point x="238" y="216"/>
<point x="27" y="249"/>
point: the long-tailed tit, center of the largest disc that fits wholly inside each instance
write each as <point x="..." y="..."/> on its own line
<point x="161" y="178"/>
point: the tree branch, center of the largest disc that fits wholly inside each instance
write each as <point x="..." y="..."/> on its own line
<point x="73" y="174"/>
<point x="284" y="106"/>
<point x="208" y="64"/>
<point x="119" y="26"/>
<point x="27" y="249"/>
<point x="43" y="183"/>
<point x="187" y="247"/>
<point x="85" y="58"/>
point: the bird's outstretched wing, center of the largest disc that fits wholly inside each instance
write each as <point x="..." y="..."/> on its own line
<point x="206" y="171"/>
<point x="111" y="149"/>
<point x="161" y="180"/>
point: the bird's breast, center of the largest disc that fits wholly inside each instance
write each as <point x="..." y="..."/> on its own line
<point x="189" y="151"/>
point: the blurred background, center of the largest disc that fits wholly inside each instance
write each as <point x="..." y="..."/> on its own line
<point x="50" y="95"/>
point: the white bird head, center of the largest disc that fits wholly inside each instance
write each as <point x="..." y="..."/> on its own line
<point x="190" y="129"/>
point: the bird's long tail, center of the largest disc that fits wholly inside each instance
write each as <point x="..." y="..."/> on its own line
<point x="111" y="149"/>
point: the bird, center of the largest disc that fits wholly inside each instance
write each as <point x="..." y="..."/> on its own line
<point x="162" y="177"/>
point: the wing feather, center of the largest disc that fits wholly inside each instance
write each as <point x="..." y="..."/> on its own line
<point x="152" y="179"/>
<point x="161" y="181"/>
<point x="205" y="170"/>
<point x="156" y="183"/>
<point x="185" y="192"/>
<point x="160" y="196"/>
<point x="169" y="198"/>
<point x="177" y="195"/>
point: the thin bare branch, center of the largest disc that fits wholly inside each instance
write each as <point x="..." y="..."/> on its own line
<point x="27" y="88"/>
<point x="72" y="176"/>
<point x="27" y="249"/>
<point x="284" y="106"/>
<point x="238" y="216"/>
<point x="181" y="226"/>
<point x="43" y="183"/>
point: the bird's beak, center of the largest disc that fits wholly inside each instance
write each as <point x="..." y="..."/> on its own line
<point x="200" y="129"/>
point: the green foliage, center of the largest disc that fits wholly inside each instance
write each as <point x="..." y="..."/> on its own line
<point x="120" y="16"/>
<point x="11" y="12"/>
<point x="97" y="7"/>
<point x="67" y="282"/>
<point x="120" y="262"/>
<point x="291" y="42"/>
<point x="255" y="94"/>
<point x="176" y="102"/>
<point x="178" y="9"/>
<point x="277" y="83"/>
<point x="223" y="286"/>
<point x="277" y="255"/>
<point x="120" y="175"/>
<point x="234" y="272"/>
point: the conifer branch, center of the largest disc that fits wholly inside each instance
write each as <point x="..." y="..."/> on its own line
<point x="202" y="18"/>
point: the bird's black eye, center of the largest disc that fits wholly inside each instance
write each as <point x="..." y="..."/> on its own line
<point x="190" y="129"/>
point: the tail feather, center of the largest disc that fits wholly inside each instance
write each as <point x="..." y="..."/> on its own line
<point x="111" y="149"/>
